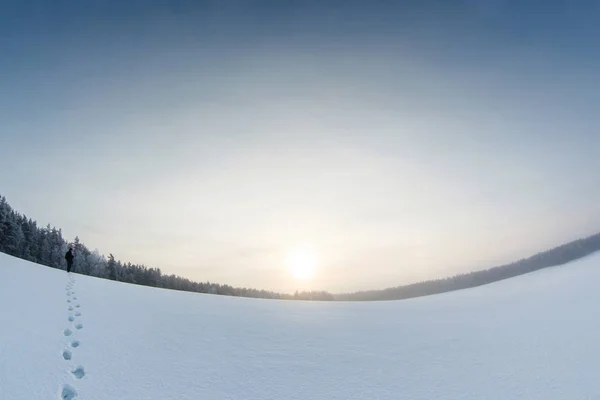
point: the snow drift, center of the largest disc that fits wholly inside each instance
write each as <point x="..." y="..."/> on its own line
<point x="77" y="337"/>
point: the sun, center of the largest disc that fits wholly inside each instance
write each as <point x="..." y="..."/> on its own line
<point x="302" y="263"/>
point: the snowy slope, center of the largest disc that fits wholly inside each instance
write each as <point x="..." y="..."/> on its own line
<point x="531" y="337"/>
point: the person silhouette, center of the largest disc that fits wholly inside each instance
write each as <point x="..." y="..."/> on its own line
<point x="69" y="257"/>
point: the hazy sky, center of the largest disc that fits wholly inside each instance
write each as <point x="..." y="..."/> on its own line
<point x="399" y="140"/>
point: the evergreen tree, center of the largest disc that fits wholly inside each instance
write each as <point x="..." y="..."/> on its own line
<point x="81" y="263"/>
<point x="12" y="236"/>
<point x="31" y="241"/>
<point x="111" y="268"/>
<point x="45" y="248"/>
<point x="58" y="248"/>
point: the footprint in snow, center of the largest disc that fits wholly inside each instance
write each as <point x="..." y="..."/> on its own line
<point x="77" y="306"/>
<point x="78" y="326"/>
<point x="75" y="343"/>
<point x="78" y="314"/>
<point x="68" y="393"/>
<point x="67" y="332"/>
<point x="70" y="308"/>
<point x="71" y="318"/>
<point x="74" y="298"/>
<point x="78" y="372"/>
<point x="67" y="355"/>
<point x="68" y="300"/>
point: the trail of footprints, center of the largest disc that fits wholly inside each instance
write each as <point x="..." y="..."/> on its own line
<point x="77" y="372"/>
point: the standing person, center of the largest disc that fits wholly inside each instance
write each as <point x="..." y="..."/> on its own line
<point x="69" y="257"/>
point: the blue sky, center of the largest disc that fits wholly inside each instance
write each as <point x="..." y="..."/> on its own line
<point x="399" y="141"/>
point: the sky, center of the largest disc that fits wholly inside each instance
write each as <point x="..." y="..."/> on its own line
<point x="392" y="141"/>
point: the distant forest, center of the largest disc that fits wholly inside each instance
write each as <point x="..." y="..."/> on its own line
<point x="22" y="237"/>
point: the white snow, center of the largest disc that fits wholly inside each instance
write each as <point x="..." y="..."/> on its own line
<point x="532" y="337"/>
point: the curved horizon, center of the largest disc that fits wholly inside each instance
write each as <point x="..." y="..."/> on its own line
<point x="397" y="142"/>
<point x="98" y="265"/>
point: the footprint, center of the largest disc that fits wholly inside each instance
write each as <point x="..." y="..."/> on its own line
<point x="78" y="314"/>
<point x="67" y="354"/>
<point x="68" y="393"/>
<point x="78" y="372"/>
<point x="74" y="298"/>
<point x="68" y="300"/>
<point x="71" y="318"/>
<point x="75" y="343"/>
<point x="68" y="332"/>
<point x="70" y="308"/>
<point x="77" y="306"/>
<point x="78" y="326"/>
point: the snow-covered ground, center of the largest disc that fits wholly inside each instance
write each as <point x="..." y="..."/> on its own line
<point x="532" y="337"/>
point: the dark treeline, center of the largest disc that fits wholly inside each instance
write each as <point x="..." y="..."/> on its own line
<point x="557" y="256"/>
<point x="22" y="237"/>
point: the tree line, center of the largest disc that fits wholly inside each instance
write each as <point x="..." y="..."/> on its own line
<point x="21" y="237"/>
<point x="550" y="258"/>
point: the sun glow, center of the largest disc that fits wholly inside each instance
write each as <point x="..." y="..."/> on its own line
<point x="302" y="263"/>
